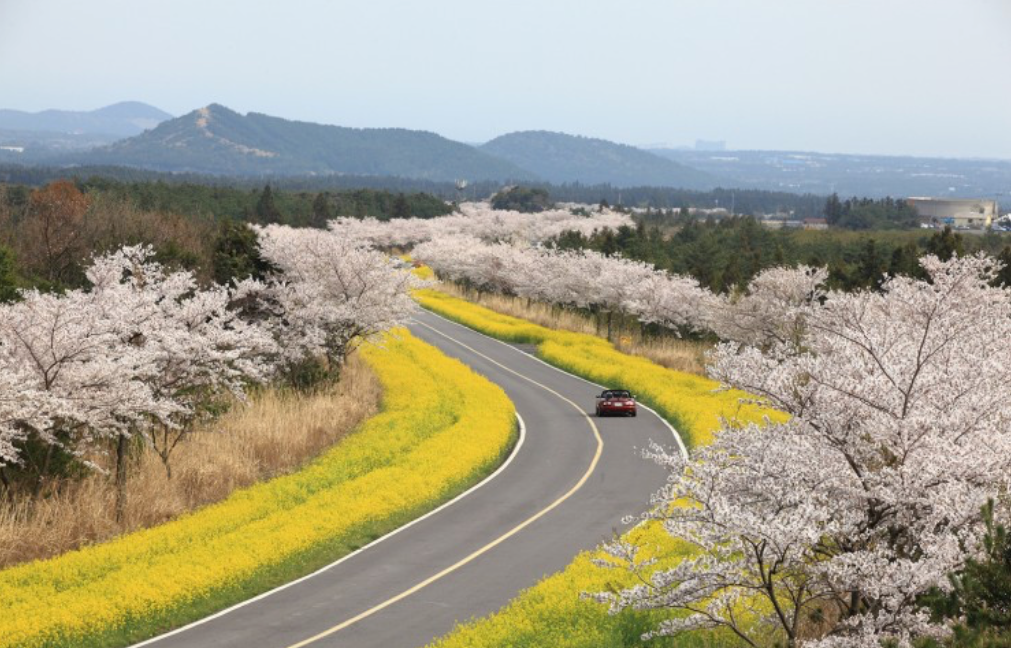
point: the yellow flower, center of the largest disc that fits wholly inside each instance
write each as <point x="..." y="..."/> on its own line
<point x="440" y="428"/>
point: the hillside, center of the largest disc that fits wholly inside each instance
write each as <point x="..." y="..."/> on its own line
<point x="217" y="140"/>
<point x="123" y="119"/>
<point x="560" y="158"/>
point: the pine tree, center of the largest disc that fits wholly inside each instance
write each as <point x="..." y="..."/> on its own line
<point x="1003" y="277"/>
<point x="833" y="209"/>
<point x="906" y="261"/>
<point x="237" y="254"/>
<point x="8" y="275"/>
<point x="401" y="208"/>
<point x="870" y="266"/>
<point x="946" y="244"/>
<point x="980" y="596"/>
<point x="266" y="210"/>
<point x="321" y="210"/>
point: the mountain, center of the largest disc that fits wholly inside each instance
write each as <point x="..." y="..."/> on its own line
<point x="559" y="158"/>
<point x="217" y="140"/>
<point x="118" y="120"/>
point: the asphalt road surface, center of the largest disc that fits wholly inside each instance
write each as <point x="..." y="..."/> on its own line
<point x="564" y="490"/>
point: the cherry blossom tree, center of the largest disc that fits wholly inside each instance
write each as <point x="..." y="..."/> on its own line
<point x="869" y="494"/>
<point x="576" y="278"/>
<point x="77" y="379"/>
<point x="332" y="292"/>
<point x="143" y="351"/>
<point x="22" y="408"/>
<point x="673" y="301"/>
<point x="480" y="221"/>
<point x="199" y="354"/>
<point x="773" y="311"/>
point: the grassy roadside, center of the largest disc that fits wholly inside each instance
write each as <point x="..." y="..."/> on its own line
<point x="552" y="614"/>
<point x="276" y="433"/>
<point x="441" y="429"/>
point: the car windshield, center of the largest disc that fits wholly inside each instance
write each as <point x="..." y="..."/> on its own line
<point x="617" y="393"/>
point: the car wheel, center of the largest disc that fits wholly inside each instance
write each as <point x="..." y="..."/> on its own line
<point x="634" y="414"/>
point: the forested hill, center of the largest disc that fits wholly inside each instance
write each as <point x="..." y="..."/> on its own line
<point x="560" y="158"/>
<point x="219" y="141"/>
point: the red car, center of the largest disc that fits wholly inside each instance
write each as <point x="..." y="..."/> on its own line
<point x="616" y="401"/>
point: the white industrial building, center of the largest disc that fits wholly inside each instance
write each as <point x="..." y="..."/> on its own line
<point x="961" y="213"/>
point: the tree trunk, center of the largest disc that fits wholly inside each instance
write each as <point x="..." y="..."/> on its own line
<point x="610" y="316"/>
<point x="168" y="466"/>
<point x="43" y="471"/>
<point x="121" y="452"/>
<point x="4" y="479"/>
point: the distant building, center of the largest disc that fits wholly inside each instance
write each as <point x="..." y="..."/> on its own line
<point x="710" y="145"/>
<point x="961" y="213"/>
<point x="815" y="224"/>
<point x="709" y="212"/>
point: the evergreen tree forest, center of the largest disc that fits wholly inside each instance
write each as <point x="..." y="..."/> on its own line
<point x="726" y="254"/>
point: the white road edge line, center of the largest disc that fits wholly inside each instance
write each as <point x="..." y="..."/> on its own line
<point x="481" y="484"/>
<point x="677" y="436"/>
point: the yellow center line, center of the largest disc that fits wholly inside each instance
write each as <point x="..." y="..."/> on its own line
<point x="494" y="543"/>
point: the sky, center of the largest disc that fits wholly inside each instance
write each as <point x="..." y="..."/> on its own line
<point x="905" y="77"/>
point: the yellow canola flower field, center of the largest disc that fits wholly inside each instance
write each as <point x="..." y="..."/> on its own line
<point x="552" y="612"/>
<point x="440" y="429"/>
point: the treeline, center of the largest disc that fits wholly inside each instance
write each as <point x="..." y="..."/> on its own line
<point x="522" y="199"/>
<point x="867" y="214"/>
<point x="749" y="202"/>
<point x="48" y="234"/>
<point x="726" y="254"/>
<point x="741" y="201"/>
<point x="40" y="175"/>
<point x="852" y="213"/>
<point x="263" y="205"/>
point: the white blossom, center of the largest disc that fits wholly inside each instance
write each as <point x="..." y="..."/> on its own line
<point x="331" y="292"/>
<point x="870" y="493"/>
<point x="480" y="221"/>
<point x="579" y="278"/>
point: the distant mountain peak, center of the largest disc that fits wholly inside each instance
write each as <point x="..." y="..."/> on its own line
<point x="122" y="119"/>
<point x="560" y="158"/>
<point x="204" y="117"/>
<point x="219" y="109"/>
<point x="133" y="109"/>
<point x="217" y="140"/>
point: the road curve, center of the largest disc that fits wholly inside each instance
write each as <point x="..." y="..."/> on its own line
<point x="565" y="490"/>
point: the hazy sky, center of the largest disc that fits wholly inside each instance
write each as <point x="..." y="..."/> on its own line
<point x="921" y="77"/>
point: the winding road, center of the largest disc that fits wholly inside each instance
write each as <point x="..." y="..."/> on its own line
<point x="564" y="489"/>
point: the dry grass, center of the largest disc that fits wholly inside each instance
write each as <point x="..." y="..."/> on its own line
<point x="667" y="351"/>
<point x="277" y="432"/>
